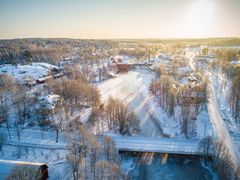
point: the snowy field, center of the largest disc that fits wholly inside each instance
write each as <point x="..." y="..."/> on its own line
<point x="132" y="88"/>
<point x="22" y="72"/>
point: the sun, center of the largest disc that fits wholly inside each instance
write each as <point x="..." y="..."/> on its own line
<point x="200" y="18"/>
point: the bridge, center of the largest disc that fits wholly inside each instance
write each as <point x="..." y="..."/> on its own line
<point x="156" y="145"/>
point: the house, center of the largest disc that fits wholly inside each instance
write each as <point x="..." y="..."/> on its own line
<point x="193" y="94"/>
<point x="31" y="169"/>
<point x="123" y="68"/>
<point x="119" y="66"/>
<point x="193" y="90"/>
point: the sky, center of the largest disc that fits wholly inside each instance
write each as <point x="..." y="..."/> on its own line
<point x="112" y="19"/>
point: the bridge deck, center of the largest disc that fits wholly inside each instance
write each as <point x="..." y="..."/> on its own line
<point x="156" y="144"/>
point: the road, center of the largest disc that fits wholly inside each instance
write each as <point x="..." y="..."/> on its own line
<point x="220" y="130"/>
<point x="156" y="144"/>
<point x="33" y="138"/>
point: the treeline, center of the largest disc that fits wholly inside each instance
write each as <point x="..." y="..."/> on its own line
<point x="227" y="54"/>
<point x="232" y="71"/>
<point x="54" y="50"/>
<point x="135" y="52"/>
<point x="219" y="155"/>
<point x="48" y="50"/>
<point x="206" y="41"/>
<point x="24" y="53"/>
<point x="141" y="51"/>
<point x="234" y="97"/>
<point x="225" y="60"/>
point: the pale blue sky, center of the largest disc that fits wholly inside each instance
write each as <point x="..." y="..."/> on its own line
<point x="119" y="18"/>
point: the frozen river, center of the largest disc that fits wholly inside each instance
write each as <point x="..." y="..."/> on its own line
<point x="177" y="168"/>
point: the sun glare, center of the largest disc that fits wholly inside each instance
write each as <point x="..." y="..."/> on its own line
<point x="200" y="18"/>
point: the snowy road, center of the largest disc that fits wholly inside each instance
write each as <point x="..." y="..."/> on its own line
<point x="156" y="144"/>
<point x="220" y="130"/>
<point x="33" y="138"/>
<point x="36" y="145"/>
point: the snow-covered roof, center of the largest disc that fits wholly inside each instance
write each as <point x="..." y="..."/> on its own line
<point x="7" y="166"/>
<point x="235" y="62"/>
<point x="189" y="79"/>
<point x="45" y="65"/>
<point x="48" y="102"/>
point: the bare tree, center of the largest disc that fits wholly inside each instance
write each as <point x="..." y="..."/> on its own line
<point x="120" y="118"/>
<point x="57" y="119"/>
<point x="235" y="99"/>
<point x="164" y="92"/>
<point x="206" y="147"/>
<point x="109" y="149"/>
<point x="8" y="84"/>
<point x="18" y="128"/>
<point x="2" y="141"/>
<point x="107" y="170"/>
<point x="22" y="101"/>
<point x="76" y="94"/>
<point x="223" y="162"/>
<point x="78" y="149"/>
<point x="187" y="121"/>
<point x="85" y="151"/>
<point x="4" y="114"/>
<point x="42" y="119"/>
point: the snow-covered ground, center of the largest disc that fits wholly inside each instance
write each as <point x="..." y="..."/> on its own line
<point x="35" y="146"/>
<point x="22" y="72"/>
<point x="132" y="88"/>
